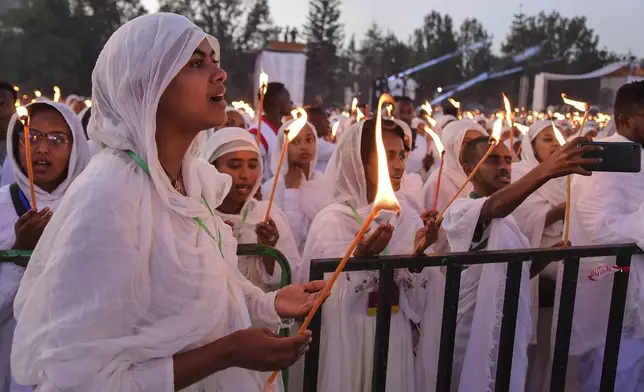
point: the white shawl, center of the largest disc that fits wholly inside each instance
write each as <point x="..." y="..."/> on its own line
<point x="607" y="208"/>
<point x="228" y="140"/>
<point x="481" y="302"/>
<point x="453" y="174"/>
<point x="123" y="278"/>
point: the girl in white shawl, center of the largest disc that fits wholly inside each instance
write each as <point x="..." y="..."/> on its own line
<point x="347" y="340"/>
<point x="300" y="191"/>
<point x="455" y="137"/>
<point x="134" y="284"/>
<point x="234" y="151"/>
<point x="59" y="155"/>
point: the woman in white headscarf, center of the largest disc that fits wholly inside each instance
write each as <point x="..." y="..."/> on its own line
<point x="234" y="151"/>
<point x="454" y="137"/>
<point x="300" y="191"/>
<point x="411" y="187"/>
<point x="541" y="218"/>
<point x="59" y="155"/>
<point x="134" y="284"/>
<point x="348" y="325"/>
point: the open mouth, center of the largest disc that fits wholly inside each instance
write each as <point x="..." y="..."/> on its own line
<point x="244" y="189"/>
<point x="217" y="98"/>
<point x="505" y="178"/>
<point x="41" y="163"/>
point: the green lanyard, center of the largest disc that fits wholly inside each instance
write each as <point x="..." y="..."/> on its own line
<point x="360" y="222"/>
<point x="146" y="169"/>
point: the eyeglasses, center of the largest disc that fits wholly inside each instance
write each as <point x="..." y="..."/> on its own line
<point x="56" y="140"/>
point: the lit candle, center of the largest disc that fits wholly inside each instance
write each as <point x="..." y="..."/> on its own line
<point x="263" y="86"/>
<point x="23" y="116"/>
<point x="56" y="94"/>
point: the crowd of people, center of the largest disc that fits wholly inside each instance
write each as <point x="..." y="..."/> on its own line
<point x="134" y="283"/>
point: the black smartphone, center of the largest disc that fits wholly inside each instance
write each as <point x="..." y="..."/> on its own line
<point x="618" y="157"/>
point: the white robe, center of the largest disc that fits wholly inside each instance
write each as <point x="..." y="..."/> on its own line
<point x="481" y="302"/>
<point x="347" y="330"/>
<point x="411" y="190"/>
<point x="252" y="267"/>
<point x="325" y="150"/>
<point x="607" y="208"/>
<point x="414" y="162"/>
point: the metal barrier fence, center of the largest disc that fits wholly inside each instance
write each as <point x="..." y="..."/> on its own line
<point x="455" y="263"/>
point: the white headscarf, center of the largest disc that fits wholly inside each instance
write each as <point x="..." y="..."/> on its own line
<point x="78" y="158"/>
<point x="553" y="190"/>
<point x="122" y="270"/>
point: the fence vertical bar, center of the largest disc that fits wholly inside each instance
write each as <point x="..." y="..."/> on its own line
<point x="564" y="324"/>
<point x="448" y="329"/>
<point x="508" y="326"/>
<point x="383" y="326"/>
<point x="615" y="323"/>
<point x="312" y="357"/>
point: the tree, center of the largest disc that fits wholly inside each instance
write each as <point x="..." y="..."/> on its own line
<point x="324" y="36"/>
<point x="476" y="62"/>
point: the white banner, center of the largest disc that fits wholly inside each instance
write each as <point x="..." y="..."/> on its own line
<point x="286" y="68"/>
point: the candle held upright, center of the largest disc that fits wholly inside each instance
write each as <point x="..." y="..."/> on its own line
<point x="263" y="86"/>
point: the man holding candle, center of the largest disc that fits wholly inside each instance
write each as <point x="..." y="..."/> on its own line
<point x="277" y="104"/>
<point x="609" y="209"/>
<point x="483" y="222"/>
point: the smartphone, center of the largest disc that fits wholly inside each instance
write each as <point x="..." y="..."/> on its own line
<point x="618" y="157"/>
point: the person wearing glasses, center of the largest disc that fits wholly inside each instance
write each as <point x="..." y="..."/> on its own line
<point x="57" y="160"/>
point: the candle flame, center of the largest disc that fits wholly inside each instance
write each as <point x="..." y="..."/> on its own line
<point x="469" y="115"/>
<point x="359" y="115"/>
<point x="559" y="116"/>
<point x="88" y="103"/>
<point x="522" y="128"/>
<point x="263" y="82"/>
<point x="427" y="108"/>
<point x="385" y="196"/>
<point x="334" y="128"/>
<point x="16" y="88"/>
<point x="454" y="103"/>
<point x="508" y="109"/>
<point x="389" y="109"/>
<point x="496" y="132"/>
<point x="437" y="140"/>
<point x="297" y="125"/>
<point x="56" y="94"/>
<point x="23" y="114"/>
<point x="560" y="138"/>
<point x="431" y="121"/>
<point x="579" y="105"/>
<point x="354" y="105"/>
<point x="37" y="93"/>
<point x="241" y="105"/>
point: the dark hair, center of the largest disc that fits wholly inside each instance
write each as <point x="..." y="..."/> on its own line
<point x="368" y="138"/>
<point x="403" y="98"/>
<point x="450" y="109"/>
<point x="273" y="91"/>
<point x="469" y="152"/>
<point x="629" y="98"/>
<point x="85" y="120"/>
<point x="312" y="110"/>
<point x="9" y="87"/>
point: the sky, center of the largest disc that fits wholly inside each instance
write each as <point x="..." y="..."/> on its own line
<point x="616" y="21"/>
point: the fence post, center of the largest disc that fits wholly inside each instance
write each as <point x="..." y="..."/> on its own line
<point x="312" y="357"/>
<point x="508" y="326"/>
<point x="564" y="324"/>
<point x="383" y="325"/>
<point x="615" y="322"/>
<point x="448" y="330"/>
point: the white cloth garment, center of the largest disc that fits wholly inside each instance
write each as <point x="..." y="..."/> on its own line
<point x="607" y="208"/>
<point x="10" y="274"/>
<point x="531" y="214"/>
<point x="414" y="162"/>
<point x="229" y="140"/>
<point x="7" y="172"/>
<point x="123" y="278"/>
<point x="347" y="330"/>
<point x="411" y="190"/>
<point x="299" y="204"/>
<point x="267" y="144"/>
<point x="325" y="150"/>
<point x="453" y="174"/>
<point x="609" y="130"/>
<point x="480" y="307"/>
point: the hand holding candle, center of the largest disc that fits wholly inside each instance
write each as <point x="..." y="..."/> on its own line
<point x="23" y="116"/>
<point x="385" y="201"/>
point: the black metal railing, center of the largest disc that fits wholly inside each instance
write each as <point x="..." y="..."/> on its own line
<point x="455" y="263"/>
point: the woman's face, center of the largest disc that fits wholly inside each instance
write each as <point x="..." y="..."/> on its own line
<point x="243" y="167"/>
<point x="301" y="150"/>
<point x="469" y="136"/>
<point x="396" y="155"/>
<point x="545" y="144"/>
<point x="51" y="147"/>
<point x="194" y="99"/>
